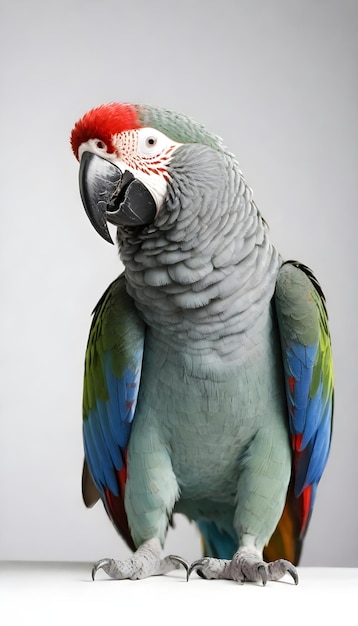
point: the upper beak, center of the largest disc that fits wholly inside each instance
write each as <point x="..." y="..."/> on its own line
<point x="110" y="195"/>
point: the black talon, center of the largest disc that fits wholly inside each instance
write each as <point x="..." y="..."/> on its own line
<point x="182" y="562"/>
<point x="292" y="570"/>
<point x="263" y="573"/>
<point x="98" y="566"/>
<point x="195" y="567"/>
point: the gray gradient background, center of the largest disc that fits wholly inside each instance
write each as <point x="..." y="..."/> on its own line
<point x="277" y="79"/>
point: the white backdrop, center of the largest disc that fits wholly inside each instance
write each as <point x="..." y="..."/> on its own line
<point x="277" y="80"/>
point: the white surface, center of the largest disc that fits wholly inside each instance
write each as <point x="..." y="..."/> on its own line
<point x="277" y="79"/>
<point x="63" y="593"/>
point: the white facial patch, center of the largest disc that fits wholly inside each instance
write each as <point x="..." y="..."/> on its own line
<point x="146" y="153"/>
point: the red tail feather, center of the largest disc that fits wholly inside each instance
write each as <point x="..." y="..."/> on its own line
<point x="116" y="510"/>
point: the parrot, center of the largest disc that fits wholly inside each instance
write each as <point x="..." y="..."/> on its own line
<point x="208" y="375"/>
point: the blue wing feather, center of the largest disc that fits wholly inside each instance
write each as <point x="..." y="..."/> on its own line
<point x="299" y="362"/>
<point x="112" y="377"/>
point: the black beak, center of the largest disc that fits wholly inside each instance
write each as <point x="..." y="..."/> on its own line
<point x="110" y="195"/>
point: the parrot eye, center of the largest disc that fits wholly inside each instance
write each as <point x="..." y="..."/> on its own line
<point x="151" y="141"/>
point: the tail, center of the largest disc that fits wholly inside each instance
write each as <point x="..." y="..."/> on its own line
<point x="218" y="543"/>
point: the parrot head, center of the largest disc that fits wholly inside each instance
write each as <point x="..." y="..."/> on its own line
<point x="125" y="151"/>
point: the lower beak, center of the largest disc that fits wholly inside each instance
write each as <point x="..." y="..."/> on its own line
<point x="109" y="195"/>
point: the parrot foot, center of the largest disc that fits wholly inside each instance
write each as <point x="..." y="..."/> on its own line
<point x="145" y="562"/>
<point x="246" y="565"/>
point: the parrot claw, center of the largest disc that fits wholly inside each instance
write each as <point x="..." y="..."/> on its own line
<point x="244" y="566"/>
<point x="209" y="568"/>
<point x="292" y="571"/>
<point x="179" y="561"/>
<point x="263" y="573"/>
<point x="99" y="565"/>
<point x="131" y="569"/>
<point x="144" y="562"/>
<point x="195" y="567"/>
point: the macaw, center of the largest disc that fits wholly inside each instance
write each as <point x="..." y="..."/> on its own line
<point x="208" y="384"/>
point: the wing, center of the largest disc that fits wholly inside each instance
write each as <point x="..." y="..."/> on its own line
<point x="111" y="383"/>
<point x="308" y="370"/>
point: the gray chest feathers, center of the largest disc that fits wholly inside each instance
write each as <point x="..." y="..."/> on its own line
<point x="205" y="271"/>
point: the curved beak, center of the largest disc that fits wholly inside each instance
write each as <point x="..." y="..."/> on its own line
<point x="110" y="195"/>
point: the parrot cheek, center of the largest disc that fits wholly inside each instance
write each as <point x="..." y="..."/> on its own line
<point x="109" y="195"/>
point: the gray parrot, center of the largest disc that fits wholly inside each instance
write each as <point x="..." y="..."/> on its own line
<point x="208" y="385"/>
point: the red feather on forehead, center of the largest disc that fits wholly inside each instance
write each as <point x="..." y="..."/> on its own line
<point x="104" y="122"/>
